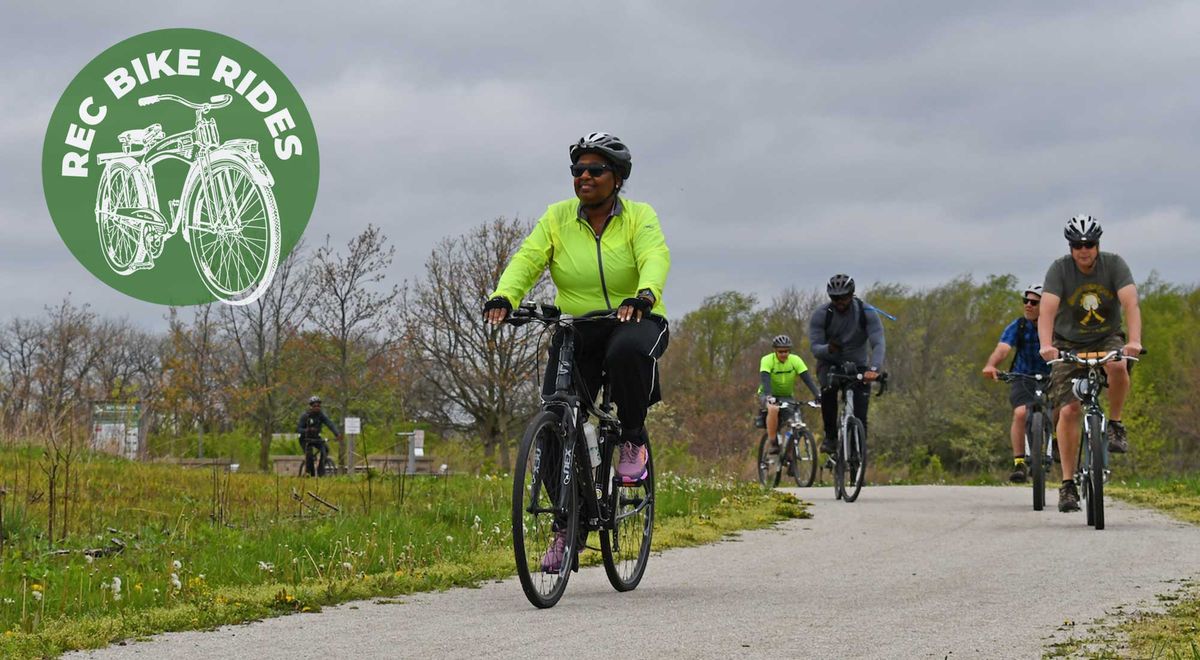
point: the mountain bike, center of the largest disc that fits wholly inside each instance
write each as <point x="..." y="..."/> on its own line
<point x="226" y="210"/>
<point x="849" y="462"/>
<point x="1091" y="470"/>
<point x="1039" y="433"/>
<point x="316" y="454"/>
<point x="797" y="454"/>
<point x="561" y="485"/>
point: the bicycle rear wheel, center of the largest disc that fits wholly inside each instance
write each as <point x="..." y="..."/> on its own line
<point x="769" y="465"/>
<point x="625" y="544"/>
<point x="856" y="462"/>
<point x="1036" y="428"/>
<point x="1096" y="451"/>
<point x="541" y="509"/>
<point x="804" y="458"/>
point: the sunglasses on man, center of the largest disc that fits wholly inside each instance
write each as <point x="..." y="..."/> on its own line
<point x="1083" y="245"/>
<point x="1031" y="302"/>
<point x="595" y="170"/>
<point x="841" y="298"/>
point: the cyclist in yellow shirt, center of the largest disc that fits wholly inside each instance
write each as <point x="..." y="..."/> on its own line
<point x="778" y="371"/>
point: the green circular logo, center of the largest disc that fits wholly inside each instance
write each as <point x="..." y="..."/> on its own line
<point x="180" y="166"/>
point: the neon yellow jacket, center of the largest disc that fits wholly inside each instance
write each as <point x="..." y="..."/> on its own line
<point x="591" y="273"/>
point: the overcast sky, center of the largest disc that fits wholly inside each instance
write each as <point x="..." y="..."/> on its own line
<point x="780" y="142"/>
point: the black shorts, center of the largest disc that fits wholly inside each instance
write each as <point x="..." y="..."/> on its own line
<point x="1021" y="393"/>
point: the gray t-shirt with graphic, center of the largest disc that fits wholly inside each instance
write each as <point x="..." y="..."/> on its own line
<point x="1090" y="310"/>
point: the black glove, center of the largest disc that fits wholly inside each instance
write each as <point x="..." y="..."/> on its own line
<point x="499" y="302"/>
<point x="640" y="304"/>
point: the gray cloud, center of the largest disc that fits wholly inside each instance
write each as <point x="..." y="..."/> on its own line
<point x="779" y="141"/>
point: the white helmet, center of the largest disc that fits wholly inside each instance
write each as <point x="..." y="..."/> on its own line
<point x="1035" y="289"/>
<point x="1083" y="227"/>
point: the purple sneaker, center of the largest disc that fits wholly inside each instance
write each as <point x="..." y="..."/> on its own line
<point x="632" y="463"/>
<point x="552" y="561"/>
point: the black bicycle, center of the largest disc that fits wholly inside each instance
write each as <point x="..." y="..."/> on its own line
<point x="1039" y="432"/>
<point x="565" y="485"/>
<point x="317" y="460"/>
<point x="797" y="455"/>
<point x="849" y="462"/>
<point x="1091" y="470"/>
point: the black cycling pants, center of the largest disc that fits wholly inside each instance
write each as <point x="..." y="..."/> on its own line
<point x="311" y="457"/>
<point x="628" y="353"/>
<point x="829" y="408"/>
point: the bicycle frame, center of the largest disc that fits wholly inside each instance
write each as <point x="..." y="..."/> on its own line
<point x="1040" y="405"/>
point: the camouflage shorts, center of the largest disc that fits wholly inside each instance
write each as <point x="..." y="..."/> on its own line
<point x="1061" y="373"/>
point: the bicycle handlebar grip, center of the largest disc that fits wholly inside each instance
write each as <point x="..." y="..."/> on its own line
<point x="148" y="100"/>
<point x="220" y="98"/>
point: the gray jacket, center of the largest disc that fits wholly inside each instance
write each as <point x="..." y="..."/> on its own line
<point x="846" y="330"/>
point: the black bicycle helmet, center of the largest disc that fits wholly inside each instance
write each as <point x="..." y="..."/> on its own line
<point x="781" y="341"/>
<point x="609" y="146"/>
<point x="314" y="399"/>
<point x="1083" y="228"/>
<point x="840" y="285"/>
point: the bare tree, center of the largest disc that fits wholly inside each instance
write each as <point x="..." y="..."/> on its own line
<point x="195" y="361"/>
<point x="356" y="313"/>
<point x="257" y="334"/>
<point x="19" y="344"/>
<point x="476" y="376"/>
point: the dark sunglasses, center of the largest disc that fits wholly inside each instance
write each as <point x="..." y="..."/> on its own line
<point x="596" y="170"/>
<point x="1032" y="303"/>
<point x="1082" y="245"/>
<point x="842" y="298"/>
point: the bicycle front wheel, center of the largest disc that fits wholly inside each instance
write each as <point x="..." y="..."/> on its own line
<point x="625" y="545"/>
<point x="542" y="511"/>
<point x="856" y="462"/>
<point x="1037" y="454"/>
<point x="233" y="226"/>
<point x="804" y="458"/>
<point x="1096" y="451"/>
<point x="768" y="464"/>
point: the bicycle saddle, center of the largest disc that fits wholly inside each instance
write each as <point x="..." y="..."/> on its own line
<point x="141" y="136"/>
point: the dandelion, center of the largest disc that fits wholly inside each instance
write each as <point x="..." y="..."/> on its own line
<point x="177" y="565"/>
<point x="176" y="585"/>
<point x="116" y="588"/>
<point x="9" y="601"/>
<point x="495" y="529"/>
<point x="449" y="539"/>
<point x="346" y="566"/>
<point x="89" y="559"/>
<point x="138" y="587"/>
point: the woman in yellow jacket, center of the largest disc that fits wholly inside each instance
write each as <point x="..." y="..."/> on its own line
<point x="603" y="252"/>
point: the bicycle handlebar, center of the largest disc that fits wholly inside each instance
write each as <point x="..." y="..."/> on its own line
<point x="218" y="101"/>
<point x="1091" y="359"/>
<point x="551" y="315"/>
<point x="858" y="378"/>
<point x="1010" y="376"/>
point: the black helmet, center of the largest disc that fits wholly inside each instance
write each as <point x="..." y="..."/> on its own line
<point x="840" y="285"/>
<point x="609" y="146"/>
<point x="781" y="341"/>
<point x="314" y="399"/>
<point x="1083" y="228"/>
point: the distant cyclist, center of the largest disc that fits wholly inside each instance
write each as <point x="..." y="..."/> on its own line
<point x="847" y="330"/>
<point x="309" y="428"/>
<point x="1086" y="293"/>
<point x="1021" y="335"/>
<point x="604" y="253"/>
<point x="778" y="371"/>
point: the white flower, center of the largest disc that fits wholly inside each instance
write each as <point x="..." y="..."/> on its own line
<point x="266" y="566"/>
<point x="175" y="583"/>
<point x="495" y="529"/>
<point x="177" y="564"/>
<point x="89" y="559"/>
<point x="37" y="595"/>
<point x="9" y="601"/>
<point x="449" y="539"/>
<point x="347" y="566"/>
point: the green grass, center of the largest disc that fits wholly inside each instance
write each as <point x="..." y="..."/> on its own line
<point x="1172" y="633"/>
<point x="201" y="549"/>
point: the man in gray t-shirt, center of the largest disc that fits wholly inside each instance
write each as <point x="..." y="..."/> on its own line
<point x="1083" y="298"/>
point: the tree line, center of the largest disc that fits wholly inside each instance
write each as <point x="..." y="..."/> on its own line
<point x="334" y="323"/>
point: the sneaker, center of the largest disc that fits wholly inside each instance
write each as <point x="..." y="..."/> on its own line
<point x="552" y="561"/>
<point x="1118" y="442"/>
<point x="1068" y="498"/>
<point x="1020" y="472"/>
<point x="632" y="463"/>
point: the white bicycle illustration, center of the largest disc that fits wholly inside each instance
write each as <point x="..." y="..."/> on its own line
<point x="226" y="209"/>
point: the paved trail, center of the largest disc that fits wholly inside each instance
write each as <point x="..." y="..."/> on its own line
<point x="905" y="572"/>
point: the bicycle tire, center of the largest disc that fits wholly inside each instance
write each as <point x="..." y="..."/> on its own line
<point x="534" y="515"/>
<point x="839" y="470"/>
<point x="121" y="187"/>
<point x="1036" y="428"/>
<point x="216" y="252"/>
<point x="625" y="544"/>
<point x="804" y="458"/>
<point x="1097" y="449"/>
<point x="856" y="463"/>
<point x="768" y="465"/>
